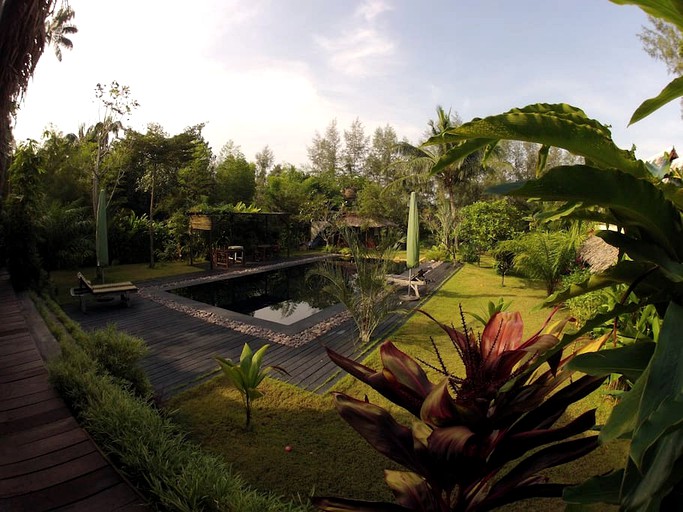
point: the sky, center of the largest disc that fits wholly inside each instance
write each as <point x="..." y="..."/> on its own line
<point x="275" y="72"/>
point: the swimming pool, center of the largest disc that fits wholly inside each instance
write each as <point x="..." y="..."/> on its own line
<point x="283" y="296"/>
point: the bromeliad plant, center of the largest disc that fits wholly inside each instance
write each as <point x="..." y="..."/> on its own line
<point x="246" y="376"/>
<point x="469" y="428"/>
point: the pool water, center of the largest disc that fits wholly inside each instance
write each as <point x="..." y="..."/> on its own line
<point x="284" y="296"/>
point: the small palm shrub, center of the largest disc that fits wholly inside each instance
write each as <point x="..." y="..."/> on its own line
<point x="365" y="292"/>
<point x="246" y="376"/>
<point x="542" y="255"/>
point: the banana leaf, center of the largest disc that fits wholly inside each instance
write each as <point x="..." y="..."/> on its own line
<point x="558" y="125"/>
<point x="629" y="361"/>
<point x="638" y="204"/>
<point x="668" y="10"/>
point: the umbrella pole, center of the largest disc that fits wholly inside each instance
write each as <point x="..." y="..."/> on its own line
<point x="410" y="280"/>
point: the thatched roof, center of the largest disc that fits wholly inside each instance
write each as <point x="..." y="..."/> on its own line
<point x="357" y="221"/>
<point x="598" y="254"/>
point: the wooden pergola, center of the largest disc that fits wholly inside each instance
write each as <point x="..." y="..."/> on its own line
<point x="258" y="234"/>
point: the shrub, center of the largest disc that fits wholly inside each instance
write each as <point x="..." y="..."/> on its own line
<point x="485" y="223"/>
<point x="469" y="253"/>
<point x="149" y="448"/>
<point x="438" y="253"/>
<point x="366" y="293"/>
<point x="119" y="354"/>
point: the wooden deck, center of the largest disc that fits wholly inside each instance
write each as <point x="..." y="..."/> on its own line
<point x="47" y="462"/>
<point x="182" y="347"/>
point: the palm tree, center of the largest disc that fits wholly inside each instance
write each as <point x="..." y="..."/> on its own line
<point x="422" y="158"/>
<point x="58" y="27"/>
<point x="450" y="180"/>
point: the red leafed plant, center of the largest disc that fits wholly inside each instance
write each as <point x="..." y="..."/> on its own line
<point x="480" y="440"/>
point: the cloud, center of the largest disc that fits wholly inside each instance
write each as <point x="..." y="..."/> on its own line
<point x="363" y="49"/>
<point x="370" y="9"/>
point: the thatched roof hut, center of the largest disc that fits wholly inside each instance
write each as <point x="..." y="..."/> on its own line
<point x="598" y="254"/>
<point x="353" y="220"/>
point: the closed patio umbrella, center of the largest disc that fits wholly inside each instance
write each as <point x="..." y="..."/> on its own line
<point x="101" y="241"/>
<point x="413" y="239"/>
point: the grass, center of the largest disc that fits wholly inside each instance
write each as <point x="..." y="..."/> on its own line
<point x="327" y="456"/>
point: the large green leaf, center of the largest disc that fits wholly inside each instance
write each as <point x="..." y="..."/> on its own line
<point x="668" y="10"/>
<point x="622" y="419"/>
<point x="459" y="152"/>
<point x="643" y="490"/>
<point x="671" y="92"/>
<point x="640" y="250"/>
<point x="558" y="125"/>
<point x="598" y="489"/>
<point x="637" y="203"/>
<point x="629" y="361"/>
<point x="592" y="283"/>
<point x="661" y="408"/>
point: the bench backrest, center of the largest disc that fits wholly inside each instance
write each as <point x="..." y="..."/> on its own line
<point x="83" y="282"/>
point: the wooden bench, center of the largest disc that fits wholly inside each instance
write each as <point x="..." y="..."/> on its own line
<point x="102" y="291"/>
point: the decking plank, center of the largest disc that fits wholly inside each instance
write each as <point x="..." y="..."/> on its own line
<point x="46" y="459"/>
<point x="12" y="453"/>
<point x="66" y="493"/>
<point x="53" y="459"/>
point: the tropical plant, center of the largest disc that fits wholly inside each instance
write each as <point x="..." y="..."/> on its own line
<point x="453" y="179"/>
<point x="504" y="263"/>
<point x="490" y="310"/>
<point x="21" y="214"/>
<point x="543" y="255"/>
<point x="22" y="39"/>
<point x="364" y="291"/>
<point x="468" y="429"/>
<point x="66" y="235"/>
<point x="615" y="188"/>
<point x="246" y="376"/>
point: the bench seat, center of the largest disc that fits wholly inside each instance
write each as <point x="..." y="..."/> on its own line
<point x="85" y="288"/>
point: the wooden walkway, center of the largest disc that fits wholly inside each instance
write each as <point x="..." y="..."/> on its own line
<point x="182" y="347"/>
<point x="47" y="462"/>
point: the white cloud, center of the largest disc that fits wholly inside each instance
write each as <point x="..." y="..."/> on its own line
<point x="364" y="49"/>
<point x="370" y="9"/>
<point x="357" y="53"/>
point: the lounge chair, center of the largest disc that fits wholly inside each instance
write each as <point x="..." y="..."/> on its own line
<point x="414" y="282"/>
<point x="100" y="291"/>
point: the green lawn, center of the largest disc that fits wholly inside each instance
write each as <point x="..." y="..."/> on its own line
<point x="327" y="456"/>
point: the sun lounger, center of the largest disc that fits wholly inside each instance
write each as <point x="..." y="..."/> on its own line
<point x="414" y="282"/>
<point x="102" y="291"/>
